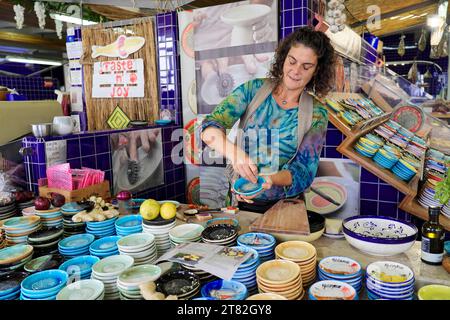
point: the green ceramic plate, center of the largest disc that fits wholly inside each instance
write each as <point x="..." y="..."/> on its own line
<point x="35" y="264"/>
<point x="113" y="265"/>
<point x="136" y="241"/>
<point x="21" y="222"/>
<point x="139" y="274"/>
<point x="89" y="289"/>
<point x="434" y="292"/>
<point x="15" y="253"/>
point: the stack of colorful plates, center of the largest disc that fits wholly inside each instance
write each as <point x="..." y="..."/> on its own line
<point x="388" y="280"/>
<point x="246" y="272"/>
<point x="302" y="253"/>
<point x="385" y="158"/>
<point x="2" y="239"/>
<point x="89" y="289"/>
<point x="384" y="131"/>
<point x="220" y="234"/>
<point x="263" y="243"/>
<point x="140" y="246"/>
<point x="281" y="277"/>
<point x="108" y="270"/>
<point x="332" y="290"/>
<point x="181" y="283"/>
<point x="79" y="268"/>
<point x="15" y="257"/>
<point x="8" y="210"/>
<point x="404" y="170"/>
<point x="426" y="198"/>
<point x="225" y="290"/>
<point x="17" y="229"/>
<point x="367" y="147"/>
<point x="129" y="280"/>
<point x="75" y="246"/>
<point x="43" y="285"/>
<point x="266" y="296"/>
<point x="129" y="225"/>
<point x="68" y="210"/>
<point x="102" y="229"/>
<point x="341" y="269"/>
<point x="160" y="229"/>
<point x="10" y="285"/>
<point x="105" y="247"/>
<point x="188" y="232"/>
<point x="49" y="218"/>
<point x="45" y="240"/>
<point x="23" y="205"/>
<point x="49" y="261"/>
<point x="203" y="276"/>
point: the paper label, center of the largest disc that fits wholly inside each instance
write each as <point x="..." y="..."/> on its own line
<point x="74" y="50"/>
<point x="55" y="152"/>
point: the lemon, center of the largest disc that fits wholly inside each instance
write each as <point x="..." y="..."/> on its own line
<point x="168" y="210"/>
<point x="149" y="209"/>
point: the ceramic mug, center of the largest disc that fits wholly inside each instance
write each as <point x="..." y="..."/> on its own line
<point x="63" y="125"/>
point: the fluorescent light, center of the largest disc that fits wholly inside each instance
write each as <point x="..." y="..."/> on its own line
<point x="434" y="21"/>
<point x="71" y="19"/>
<point x="392" y="18"/>
<point x="406" y="17"/>
<point x="33" y="60"/>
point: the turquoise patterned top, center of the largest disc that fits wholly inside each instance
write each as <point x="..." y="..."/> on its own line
<point x="271" y="136"/>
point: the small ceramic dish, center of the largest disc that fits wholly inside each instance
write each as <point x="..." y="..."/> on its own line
<point x="10" y="282"/>
<point x="186" y="232"/>
<point x="332" y="290"/>
<point x="90" y="289"/>
<point x="105" y="244"/>
<point x="338" y="266"/>
<point x="76" y="242"/>
<point x="44" y="283"/>
<point x="178" y="282"/>
<point x="388" y="272"/>
<point x="139" y="274"/>
<point x="225" y="290"/>
<point x="129" y="221"/>
<point x="10" y="255"/>
<point x="278" y="271"/>
<point x="257" y="240"/>
<point x="245" y="188"/>
<point x="219" y="232"/>
<point x="112" y="265"/>
<point x="434" y="292"/>
<point x="296" y="251"/>
<point x="162" y="122"/>
<point x="136" y="242"/>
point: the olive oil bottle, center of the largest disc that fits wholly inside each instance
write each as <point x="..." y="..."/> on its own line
<point x="433" y="238"/>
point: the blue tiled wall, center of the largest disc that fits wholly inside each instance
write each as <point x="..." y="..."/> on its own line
<point x="32" y="88"/>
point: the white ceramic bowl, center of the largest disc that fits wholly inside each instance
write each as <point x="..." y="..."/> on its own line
<point x="379" y="236"/>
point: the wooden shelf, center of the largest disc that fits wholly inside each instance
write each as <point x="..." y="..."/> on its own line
<point x="441" y="115"/>
<point x="410" y="205"/>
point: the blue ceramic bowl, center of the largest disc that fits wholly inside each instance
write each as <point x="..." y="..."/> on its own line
<point x="162" y="122"/>
<point x="212" y="289"/>
<point x="76" y="242"/>
<point x="82" y="263"/>
<point x="44" y="283"/>
<point x="245" y="188"/>
<point x="101" y="224"/>
<point x="105" y="244"/>
<point x="129" y="221"/>
<point x="11" y="296"/>
<point x="259" y="241"/>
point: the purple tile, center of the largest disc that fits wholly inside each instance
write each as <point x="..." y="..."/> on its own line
<point x="369" y="191"/>
<point x="75" y="163"/>
<point x="388" y="193"/>
<point x="287" y="18"/>
<point x="73" y="148"/>
<point x="168" y="177"/>
<point x="103" y="161"/>
<point x="334" y="138"/>
<point x="42" y="171"/>
<point x="179" y="188"/>
<point x="288" y="4"/>
<point x="88" y="162"/>
<point x="387" y="209"/>
<point x="108" y="176"/>
<point x="102" y="144"/>
<point x="87" y="146"/>
<point x="168" y="163"/>
<point x="331" y="125"/>
<point x="367" y="176"/>
<point x="179" y="175"/>
<point x="368" y="207"/>
<point x="333" y="153"/>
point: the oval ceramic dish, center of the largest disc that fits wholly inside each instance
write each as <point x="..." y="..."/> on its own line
<point x="112" y="265"/>
<point x="219" y="232"/>
<point x="76" y="242"/>
<point x="246" y="188"/>
<point x="278" y="271"/>
<point x="129" y="221"/>
<point x="15" y="253"/>
<point x="79" y="265"/>
<point x="178" y="282"/>
<point x="296" y="251"/>
<point x="136" y="241"/>
<point x="434" y="292"/>
<point x="225" y="290"/>
<point x="257" y="240"/>
<point x="339" y="266"/>
<point x="390" y="272"/>
<point x="44" y="282"/>
<point x="89" y="289"/>
<point x="139" y="274"/>
<point x="332" y="290"/>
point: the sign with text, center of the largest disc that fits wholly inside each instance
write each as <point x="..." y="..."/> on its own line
<point x="118" y="79"/>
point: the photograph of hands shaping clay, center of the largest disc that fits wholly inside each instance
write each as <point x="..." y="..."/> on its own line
<point x="228" y="151"/>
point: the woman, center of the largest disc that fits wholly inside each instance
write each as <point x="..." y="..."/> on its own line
<point x="303" y="61"/>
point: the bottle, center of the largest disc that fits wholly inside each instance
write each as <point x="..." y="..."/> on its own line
<point x="433" y="238"/>
<point x="124" y="202"/>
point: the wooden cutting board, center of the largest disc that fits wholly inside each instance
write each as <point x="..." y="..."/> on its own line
<point x="287" y="216"/>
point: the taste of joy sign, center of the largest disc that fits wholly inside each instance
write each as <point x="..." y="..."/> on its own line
<point x="118" y="79"/>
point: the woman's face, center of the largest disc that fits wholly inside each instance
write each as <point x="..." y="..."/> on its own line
<point x="299" y="67"/>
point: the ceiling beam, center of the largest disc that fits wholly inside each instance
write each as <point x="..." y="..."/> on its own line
<point x="26" y="40"/>
<point x="149" y="4"/>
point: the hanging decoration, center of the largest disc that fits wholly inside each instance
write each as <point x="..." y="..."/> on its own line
<point x="443" y="44"/>
<point x="336" y="17"/>
<point x="427" y="74"/>
<point x="39" y="8"/>
<point x="19" y="15"/>
<point x="59" y="28"/>
<point x="422" y="41"/>
<point x="401" y="46"/>
<point x="413" y="72"/>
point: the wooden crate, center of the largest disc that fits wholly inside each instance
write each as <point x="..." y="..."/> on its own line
<point x="101" y="190"/>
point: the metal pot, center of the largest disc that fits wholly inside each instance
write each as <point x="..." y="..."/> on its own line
<point x="42" y="129"/>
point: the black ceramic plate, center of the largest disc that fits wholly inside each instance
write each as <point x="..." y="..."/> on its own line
<point x="159" y="221"/>
<point x="219" y="232"/>
<point x="11" y="280"/>
<point x="45" y="235"/>
<point x="316" y="221"/>
<point x="179" y="283"/>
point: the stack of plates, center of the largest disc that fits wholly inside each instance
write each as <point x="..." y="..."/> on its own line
<point x="49" y="261"/>
<point x="68" y="210"/>
<point x="45" y="240"/>
<point x="341" y="269"/>
<point x="303" y="254"/>
<point x="386" y="280"/>
<point x="188" y="232"/>
<point x="2" y="239"/>
<point x="75" y="246"/>
<point x="160" y="229"/>
<point x="281" y="277"/>
<point x="332" y="290"/>
<point x="220" y="234"/>
<point x="15" y="257"/>
<point x="10" y="285"/>
<point x="140" y="246"/>
<point x="43" y="285"/>
<point x="128" y="225"/>
<point x="367" y="147"/>
<point x="105" y="247"/>
<point x="8" y="210"/>
<point x="49" y="218"/>
<point x="246" y="272"/>
<point x="385" y="158"/>
<point x="17" y="229"/>
<point x="404" y="170"/>
<point x="129" y="280"/>
<point x="108" y="270"/>
<point x="79" y="268"/>
<point x="23" y="205"/>
<point x="102" y="229"/>
<point x="202" y="275"/>
<point x="426" y="198"/>
<point x="90" y="289"/>
<point x="266" y="296"/>
<point x="181" y="283"/>
<point x="225" y="290"/>
<point x="263" y="243"/>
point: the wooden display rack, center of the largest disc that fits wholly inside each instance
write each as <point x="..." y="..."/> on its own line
<point x="410" y="205"/>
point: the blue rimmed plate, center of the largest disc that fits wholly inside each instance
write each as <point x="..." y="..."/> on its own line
<point x="246" y="188"/>
<point x="81" y="264"/>
<point x="257" y="240"/>
<point x="44" y="283"/>
<point x="105" y="244"/>
<point x="225" y="290"/>
<point x="78" y="241"/>
<point x="129" y="221"/>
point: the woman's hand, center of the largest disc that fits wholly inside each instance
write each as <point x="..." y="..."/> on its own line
<point x="244" y="165"/>
<point x="265" y="186"/>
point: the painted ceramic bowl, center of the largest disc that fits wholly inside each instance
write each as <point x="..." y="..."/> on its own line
<point x="434" y="292"/>
<point x="379" y="236"/>
<point x="225" y="290"/>
<point x="246" y="188"/>
<point x="178" y="282"/>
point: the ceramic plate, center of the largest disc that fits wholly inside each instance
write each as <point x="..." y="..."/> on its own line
<point x="176" y="203"/>
<point x="246" y="188"/>
<point x="295" y="250"/>
<point x="44" y="281"/>
<point x="434" y="292"/>
<point x="36" y="264"/>
<point x="136" y="241"/>
<point x="278" y="271"/>
<point x="10" y="282"/>
<point x="45" y="234"/>
<point x="178" y="282"/>
<point x="113" y="265"/>
<point x="256" y="240"/>
<point x="187" y="231"/>
<point x="332" y="290"/>
<point x="140" y="274"/>
<point x="316" y="203"/>
<point x="81" y="264"/>
<point x="340" y="266"/>
<point x="21" y="222"/>
<point x="15" y="253"/>
<point x="390" y="272"/>
<point x="129" y="221"/>
<point x="105" y="244"/>
<point x="90" y="289"/>
<point x="225" y="290"/>
<point x="76" y="242"/>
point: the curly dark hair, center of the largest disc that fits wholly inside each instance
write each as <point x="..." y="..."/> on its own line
<point x="321" y="44"/>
